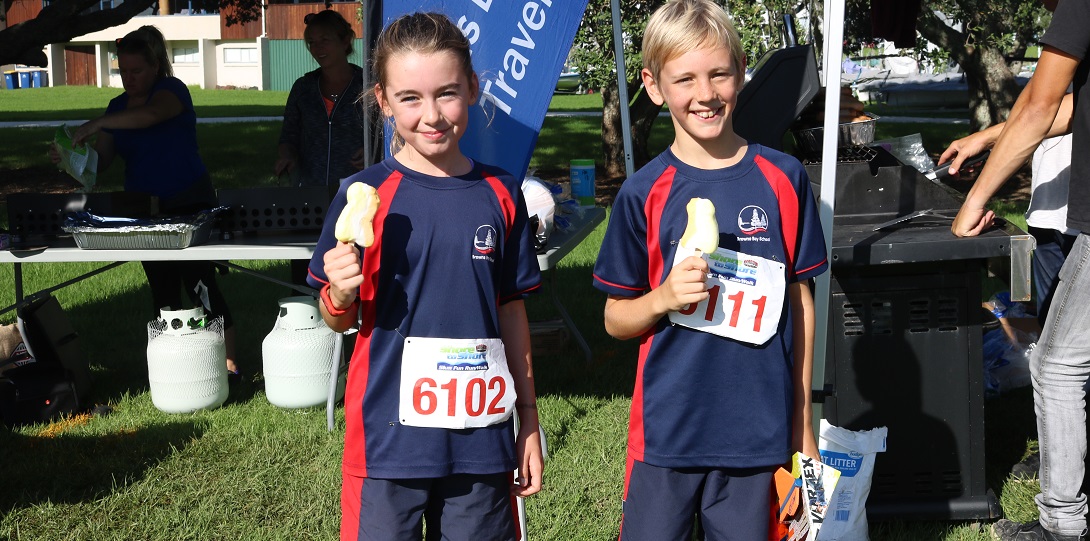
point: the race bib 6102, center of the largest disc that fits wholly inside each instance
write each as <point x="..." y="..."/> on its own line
<point x="455" y="383"/>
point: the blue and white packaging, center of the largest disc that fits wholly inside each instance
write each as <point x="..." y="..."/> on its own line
<point x="853" y="453"/>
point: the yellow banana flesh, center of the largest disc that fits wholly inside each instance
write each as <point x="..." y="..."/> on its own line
<point x="702" y="230"/>
<point x="355" y="222"/>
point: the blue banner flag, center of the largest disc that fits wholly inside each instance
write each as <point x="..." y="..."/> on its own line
<point x="519" y="48"/>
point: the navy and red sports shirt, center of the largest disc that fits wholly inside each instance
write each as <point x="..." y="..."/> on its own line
<point x="448" y="252"/>
<point x="702" y="400"/>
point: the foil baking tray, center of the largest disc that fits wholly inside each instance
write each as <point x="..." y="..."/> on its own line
<point x="92" y="232"/>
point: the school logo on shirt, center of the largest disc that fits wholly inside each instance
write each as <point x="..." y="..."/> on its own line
<point x="753" y="220"/>
<point x="484" y="242"/>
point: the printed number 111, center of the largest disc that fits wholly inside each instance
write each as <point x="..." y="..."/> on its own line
<point x="736" y="299"/>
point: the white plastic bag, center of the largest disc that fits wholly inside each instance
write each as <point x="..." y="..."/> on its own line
<point x="540" y="203"/>
<point x="853" y="454"/>
<point x="79" y="162"/>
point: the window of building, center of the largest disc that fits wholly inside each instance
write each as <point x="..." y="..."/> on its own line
<point x="184" y="55"/>
<point x="239" y="55"/>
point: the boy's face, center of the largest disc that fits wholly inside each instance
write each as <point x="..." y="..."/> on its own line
<point x="701" y="89"/>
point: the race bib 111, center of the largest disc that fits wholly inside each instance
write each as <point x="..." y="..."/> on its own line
<point x="745" y="297"/>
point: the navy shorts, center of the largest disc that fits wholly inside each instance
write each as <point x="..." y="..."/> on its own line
<point x="662" y="504"/>
<point x="455" y="508"/>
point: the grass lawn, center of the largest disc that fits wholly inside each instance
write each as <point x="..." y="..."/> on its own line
<point x="251" y="471"/>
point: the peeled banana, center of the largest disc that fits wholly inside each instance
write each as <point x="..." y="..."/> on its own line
<point x="702" y="230"/>
<point x="355" y="222"/>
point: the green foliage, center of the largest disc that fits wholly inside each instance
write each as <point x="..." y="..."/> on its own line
<point x="759" y="24"/>
<point x="592" y="53"/>
<point x="87" y="102"/>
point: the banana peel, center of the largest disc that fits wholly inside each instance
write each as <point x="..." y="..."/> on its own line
<point x="702" y="229"/>
<point x="355" y="223"/>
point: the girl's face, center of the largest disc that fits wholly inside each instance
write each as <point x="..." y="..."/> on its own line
<point x="428" y="96"/>
<point x="137" y="76"/>
<point x="325" y="46"/>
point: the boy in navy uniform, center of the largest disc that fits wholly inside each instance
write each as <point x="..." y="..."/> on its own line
<point x="726" y="350"/>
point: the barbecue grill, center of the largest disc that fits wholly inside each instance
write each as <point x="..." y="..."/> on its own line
<point x="904" y="348"/>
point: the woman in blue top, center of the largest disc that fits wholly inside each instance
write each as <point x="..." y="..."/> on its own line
<point x="152" y="126"/>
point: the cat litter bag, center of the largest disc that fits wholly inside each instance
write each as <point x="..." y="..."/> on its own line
<point x="853" y="453"/>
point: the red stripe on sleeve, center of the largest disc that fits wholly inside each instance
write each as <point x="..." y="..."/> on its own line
<point x="507" y="203"/>
<point x="788" y="201"/>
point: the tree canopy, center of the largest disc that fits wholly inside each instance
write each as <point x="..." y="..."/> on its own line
<point x="988" y="39"/>
<point x="62" y="21"/>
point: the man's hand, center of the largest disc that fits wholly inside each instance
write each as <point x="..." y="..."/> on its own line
<point x="972" y="220"/>
<point x="967" y="147"/>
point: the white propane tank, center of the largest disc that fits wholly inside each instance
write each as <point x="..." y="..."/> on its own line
<point x="187" y="363"/>
<point x="298" y="355"/>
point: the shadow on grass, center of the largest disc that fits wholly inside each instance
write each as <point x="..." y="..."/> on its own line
<point x="113" y="331"/>
<point x="69" y="469"/>
<point x="612" y="369"/>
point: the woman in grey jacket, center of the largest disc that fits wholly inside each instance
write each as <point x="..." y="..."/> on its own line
<point x="321" y="140"/>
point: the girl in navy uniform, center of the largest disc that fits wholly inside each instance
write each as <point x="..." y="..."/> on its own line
<point x="442" y="362"/>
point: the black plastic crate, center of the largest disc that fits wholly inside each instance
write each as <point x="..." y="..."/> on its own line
<point x="253" y="210"/>
<point x="38" y="217"/>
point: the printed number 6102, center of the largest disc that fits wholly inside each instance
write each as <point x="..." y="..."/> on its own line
<point x="476" y="393"/>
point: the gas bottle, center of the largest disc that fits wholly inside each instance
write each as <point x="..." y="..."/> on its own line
<point x="298" y="355"/>
<point x="187" y="361"/>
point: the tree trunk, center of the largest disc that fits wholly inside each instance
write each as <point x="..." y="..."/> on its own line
<point x="992" y="86"/>
<point x="643" y="112"/>
<point x="993" y="89"/>
<point x="642" y="115"/>
<point x="612" y="140"/>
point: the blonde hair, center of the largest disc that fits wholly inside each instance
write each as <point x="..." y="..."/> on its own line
<point x="680" y="26"/>
<point x="148" y="41"/>
<point x="422" y="33"/>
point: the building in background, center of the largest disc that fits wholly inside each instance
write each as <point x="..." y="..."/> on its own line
<point x="267" y="54"/>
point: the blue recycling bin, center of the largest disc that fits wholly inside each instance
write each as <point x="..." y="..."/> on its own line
<point x="39" y="78"/>
<point x="11" y="81"/>
<point x="24" y="79"/>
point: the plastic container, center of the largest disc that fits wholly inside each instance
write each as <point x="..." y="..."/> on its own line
<point x="11" y="80"/>
<point x="39" y="79"/>
<point x="298" y="355"/>
<point x="582" y="181"/>
<point x="24" y="79"/>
